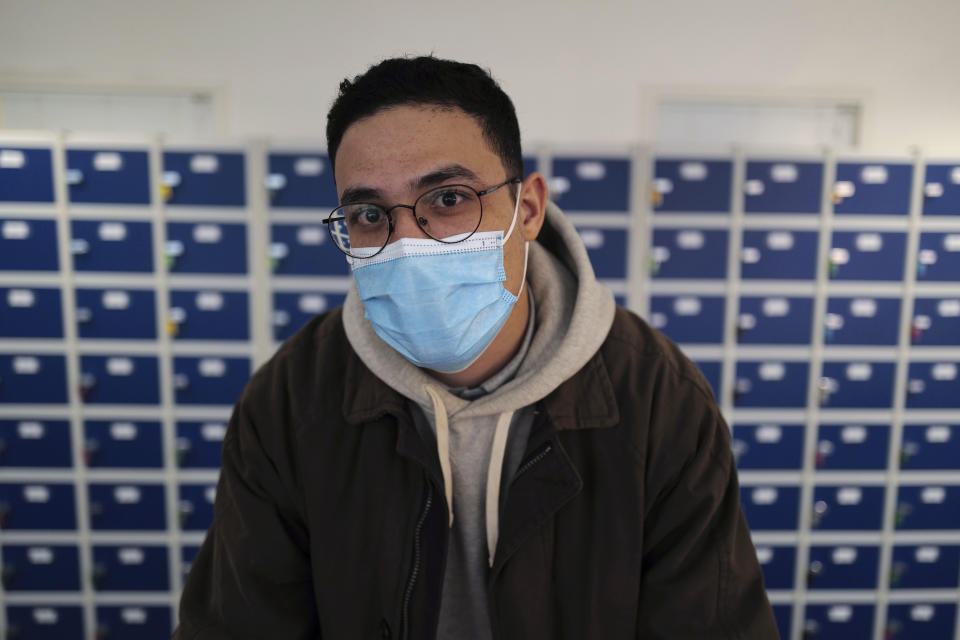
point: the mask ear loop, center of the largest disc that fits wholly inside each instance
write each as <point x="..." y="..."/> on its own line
<point x="526" y="244"/>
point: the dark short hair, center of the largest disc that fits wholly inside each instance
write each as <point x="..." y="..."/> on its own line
<point x="430" y="81"/>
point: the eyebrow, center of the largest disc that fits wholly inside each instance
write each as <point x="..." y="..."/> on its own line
<point x="352" y="195"/>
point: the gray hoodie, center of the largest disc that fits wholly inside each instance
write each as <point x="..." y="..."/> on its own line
<point x="480" y="441"/>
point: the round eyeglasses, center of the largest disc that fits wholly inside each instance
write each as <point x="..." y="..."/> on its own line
<point x="450" y="213"/>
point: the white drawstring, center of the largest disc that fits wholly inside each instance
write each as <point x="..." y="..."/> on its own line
<point x="497" y="455"/>
<point x="443" y="445"/>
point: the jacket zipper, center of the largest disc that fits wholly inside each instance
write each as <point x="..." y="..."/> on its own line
<point x="533" y="460"/>
<point x="414" y="572"/>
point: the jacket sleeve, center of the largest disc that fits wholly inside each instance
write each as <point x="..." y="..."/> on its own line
<point x="701" y="578"/>
<point x="251" y="577"/>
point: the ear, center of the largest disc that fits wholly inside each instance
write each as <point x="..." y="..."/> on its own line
<point x="533" y="205"/>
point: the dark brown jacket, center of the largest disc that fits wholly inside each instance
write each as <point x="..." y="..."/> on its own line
<point x="623" y="521"/>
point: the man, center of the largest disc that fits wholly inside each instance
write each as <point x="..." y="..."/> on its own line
<point x="478" y="444"/>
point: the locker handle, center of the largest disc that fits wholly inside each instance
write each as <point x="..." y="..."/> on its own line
<point x="79" y="247"/>
<point x="74" y="177"/>
<point x="84" y="315"/>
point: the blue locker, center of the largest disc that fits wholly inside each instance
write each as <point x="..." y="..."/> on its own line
<point x="852" y="447"/>
<point x="931" y="385"/>
<point x="134" y="622"/>
<point x="847" y="508"/>
<point x="300" y="180"/>
<point x="778" y="254"/>
<point x="771" y="384"/>
<point x="130" y="568"/>
<point x="123" y="444"/>
<point x="41" y="568"/>
<point x="692" y="185"/>
<point x="872" y="188"/>
<point x="111" y="245"/>
<point x="857" y="384"/>
<point x="938" y="259"/>
<point x="768" y="446"/>
<point x="783" y="187"/>
<point x="119" y="379"/>
<point x="127" y="507"/>
<point x="209" y="380"/>
<point x="688" y="319"/>
<point x="711" y="370"/>
<point x="196" y="506"/>
<point x="26" y="175"/>
<point x="27" y="312"/>
<point x="783" y="614"/>
<point x="530" y="165"/>
<point x="28" y="379"/>
<point x="843" y="567"/>
<point x="35" y="443"/>
<point x="774" y="320"/>
<point x="108" y="176"/>
<point x="591" y="184"/>
<point x="941" y="193"/>
<point x="936" y="321"/>
<point x="292" y="310"/>
<point x="925" y="566"/>
<point x="778" y="564"/>
<point x="38" y="506"/>
<point x="45" y="622"/>
<point x="607" y="249"/>
<point x="867" y="321"/>
<point x="187" y="554"/>
<point x="689" y="253"/>
<point x="769" y="508"/>
<point x="929" y="621"/>
<point x="935" y="446"/>
<point x="204" y="179"/>
<point x="305" y="250"/>
<point x="28" y="245"/>
<point x="867" y="255"/>
<point x="206" y="248"/>
<point x="199" y="444"/>
<point x="125" y="314"/>
<point x="838" y="621"/>
<point x="209" y="315"/>
<point x="928" y="507"/>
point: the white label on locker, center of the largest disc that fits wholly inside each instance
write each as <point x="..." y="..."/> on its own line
<point x="859" y="371"/>
<point x="784" y="172"/>
<point x="126" y="495"/>
<point x="849" y="496"/>
<point x="933" y="495"/>
<point x="119" y="366"/>
<point x="693" y="171"/>
<point x="927" y="555"/>
<point x="36" y="493"/>
<point x="12" y="159"/>
<point x="933" y="190"/>
<point x="746" y="321"/>
<point x="944" y="371"/>
<point x="16" y="230"/>
<point x="780" y="240"/>
<point x="938" y="434"/>
<point x="753" y="187"/>
<point x="772" y="371"/>
<point x="776" y="307"/>
<point x="874" y="174"/>
<point x="45" y="615"/>
<point x="661" y="254"/>
<point x="312" y="303"/>
<point x="921" y="613"/>
<point x="927" y="257"/>
<point x="686" y="306"/>
<point x="658" y="320"/>
<point x="107" y="161"/>
<point x="690" y="240"/>
<point x="207" y="233"/>
<point x="663" y="185"/>
<point x="592" y="238"/>
<point x="949" y="308"/>
<point x="213" y="431"/>
<point x="750" y="255"/>
<point x="840" y="613"/>
<point x="310" y="236"/>
<point x="764" y="554"/>
<point x="40" y="555"/>
<point x="591" y="170"/>
<point x="854" y="434"/>
<point x="844" y="189"/>
<point x="308" y="166"/>
<point x="26" y="365"/>
<point x="955" y="175"/>
<point x="839" y="255"/>
<point x="210" y="494"/>
<point x="764" y="495"/>
<point x="844" y="555"/>
<point x="204" y="163"/>
<point x="31" y="430"/>
<point x="112" y="231"/>
<point x="22" y="298"/>
<point x="212" y="367"/>
<point x="869" y="242"/>
<point x="951" y="242"/>
<point x="134" y="615"/>
<point x="123" y="431"/>
<point x="130" y="555"/>
<point x="115" y="300"/>
<point x="769" y="433"/>
<point x="863" y="307"/>
<point x="209" y="301"/>
<point x="559" y="185"/>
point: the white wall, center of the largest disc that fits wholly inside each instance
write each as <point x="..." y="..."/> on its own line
<point x="579" y="73"/>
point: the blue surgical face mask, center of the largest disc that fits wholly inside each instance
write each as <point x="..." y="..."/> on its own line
<point x="440" y="305"/>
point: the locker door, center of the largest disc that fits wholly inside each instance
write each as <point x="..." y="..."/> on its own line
<point x="28" y="379"/>
<point x="134" y="622"/>
<point x="123" y="444"/>
<point x="607" y="249"/>
<point x="689" y="253"/>
<point x="108" y="176"/>
<point x="692" y="185"/>
<point x="209" y="380"/>
<point x="187" y="554"/>
<point x="37" y="505"/>
<point x="130" y="568"/>
<point x="300" y="180"/>
<point x="529" y="165"/>
<point x="689" y="319"/>
<point x="769" y="508"/>
<point x="932" y="385"/>
<point x="45" y="622"/>
<point x="867" y="255"/>
<point x="935" y="446"/>
<point x="938" y="259"/>
<point x="26" y="175"/>
<point x="28" y="245"/>
<point x="127" y="507"/>
<point x="199" y="444"/>
<point x="775" y="320"/>
<point x="27" y="312"/>
<point x="41" y="567"/>
<point x="778" y="254"/>
<point x="928" y="507"/>
<point x="930" y="621"/>
<point x="867" y="321"/>
<point x="843" y="567"/>
<point x="771" y="384"/>
<point x="209" y="315"/>
<point x="768" y="446"/>
<point x="35" y="443"/>
<point x="206" y="248"/>
<point x="925" y="566"/>
<point x="204" y="179"/>
<point x="872" y="188"/>
<point x="119" y="379"/>
<point x="857" y="384"/>
<point x="127" y="314"/>
<point x="711" y="371"/>
<point x="936" y="321"/>
<point x="783" y="187"/>
<point x="591" y="184"/>
<point x="778" y="564"/>
<point x="852" y="447"/>
<point x="783" y="613"/>
<point x="292" y="310"/>
<point x="305" y="250"/>
<point x="111" y="245"/>
<point x="941" y="192"/>
<point x="838" y="621"/>
<point x="196" y="506"/>
<point x="848" y="507"/>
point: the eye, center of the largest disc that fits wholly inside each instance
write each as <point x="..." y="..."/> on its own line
<point x="365" y="215"/>
<point x="448" y="200"/>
